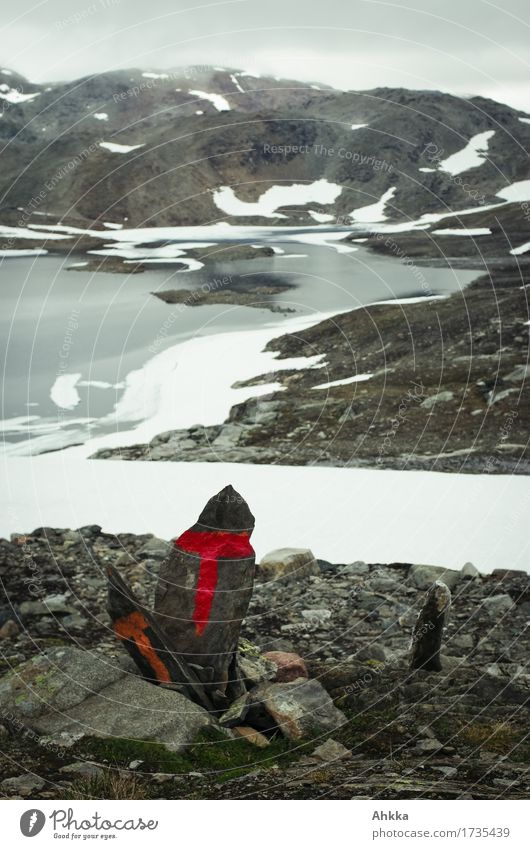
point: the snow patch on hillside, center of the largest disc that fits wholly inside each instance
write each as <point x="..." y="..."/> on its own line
<point x="13" y="95"/>
<point x="522" y="249"/>
<point x="477" y="231"/>
<point x="357" y="378"/>
<point x="471" y="156"/>
<point x="237" y="83"/>
<point x="220" y="102"/>
<point x="375" y="211"/>
<point x="114" y="147"/>
<point x="297" y="194"/>
<point x="516" y="192"/>
<point x="321" y="217"/>
<point x="27" y="233"/>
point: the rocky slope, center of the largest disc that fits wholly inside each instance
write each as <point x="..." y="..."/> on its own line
<point x="461" y="733"/>
<point x="170" y="140"/>
<point x="444" y="385"/>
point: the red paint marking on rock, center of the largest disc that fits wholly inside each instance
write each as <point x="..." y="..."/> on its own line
<point x="209" y="546"/>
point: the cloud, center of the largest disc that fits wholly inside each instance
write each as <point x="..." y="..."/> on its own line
<point x="465" y="47"/>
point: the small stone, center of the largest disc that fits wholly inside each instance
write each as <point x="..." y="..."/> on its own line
<point x="316" y="615"/>
<point x="57" y="604"/>
<point x="289" y="666"/>
<point x="287" y="564"/>
<point x="74" y="621"/>
<point x="359" y="568"/>
<point x="429" y="745"/>
<point x="236" y="712"/>
<point x="82" y="769"/>
<point x="447" y="771"/>
<point x="497" y="605"/>
<point x="71" y="538"/>
<point x="331" y="750"/>
<point x="371" y="652"/>
<point x="162" y="777"/>
<point x="155" y="549"/>
<point x="125" y="559"/>
<point x="519" y="374"/>
<point x="255" y="667"/>
<point x="9" y="630"/>
<point x="502" y="574"/>
<point x="440" y="397"/>
<point x="251" y="736"/>
<point x="469" y="572"/>
<point x="254" y="670"/>
<point x="424" y="576"/>
<point x="426" y="731"/>
<point x="33" y="608"/>
<point x="135" y="764"/>
<point x="385" y="585"/>
<point x="23" y="785"/>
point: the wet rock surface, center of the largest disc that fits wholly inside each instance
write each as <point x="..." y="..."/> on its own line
<point x="457" y="733"/>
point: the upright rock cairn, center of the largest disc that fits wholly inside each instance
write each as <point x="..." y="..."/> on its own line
<point x="202" y="596"/>
<point x="428" y="630"/>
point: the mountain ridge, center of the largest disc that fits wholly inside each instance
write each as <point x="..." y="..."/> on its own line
<point x="171" y="139"/>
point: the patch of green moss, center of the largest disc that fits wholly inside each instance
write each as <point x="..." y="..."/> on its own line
<point x="247" y="648"/>
<point x="213" y="753"/>
<point x="44" y="684"/>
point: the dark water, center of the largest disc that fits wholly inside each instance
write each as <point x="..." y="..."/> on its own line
<point x="103" y="326"/>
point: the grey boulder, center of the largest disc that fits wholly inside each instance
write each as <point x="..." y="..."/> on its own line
<point x="422" y="577"/>
<point x="287" y="564"/>
<point x="300" y="708"/>
<point x="497" y="605"/>
<point x="69" y="693"/>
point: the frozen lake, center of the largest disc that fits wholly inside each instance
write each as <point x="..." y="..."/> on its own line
<point x="73" y="341"/>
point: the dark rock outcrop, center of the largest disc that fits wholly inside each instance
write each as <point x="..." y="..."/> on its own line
<point x="428" y="630"/>
<point x="204" y="590"/>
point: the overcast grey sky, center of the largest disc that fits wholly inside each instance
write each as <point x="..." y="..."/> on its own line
<point x="464" y="46"/>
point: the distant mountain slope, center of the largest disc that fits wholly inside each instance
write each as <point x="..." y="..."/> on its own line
<point x="171" y="139"/>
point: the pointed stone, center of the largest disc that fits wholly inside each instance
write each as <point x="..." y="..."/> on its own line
<point x="137" y="629"/>
<point x="428" y="630"/>
<point x="204" y="590"/>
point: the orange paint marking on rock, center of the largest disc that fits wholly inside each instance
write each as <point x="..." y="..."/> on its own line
<point x="133" y="627"/>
